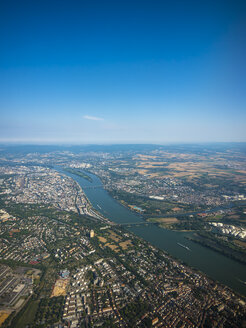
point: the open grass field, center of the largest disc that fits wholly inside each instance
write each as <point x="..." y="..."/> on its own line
<point x="102" y="239"/>
<point x="164" y="220"/>
<point x="125" y="244"/>
<point x="114" y="236"/>
<point x="240" y="243"/>
<point x="113" y="247"/>
<point x="28" y="316"/>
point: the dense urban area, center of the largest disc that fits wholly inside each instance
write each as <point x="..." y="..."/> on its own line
<point x="64" y="264"/>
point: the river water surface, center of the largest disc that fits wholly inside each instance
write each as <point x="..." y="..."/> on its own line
<point x="215" y="265"/>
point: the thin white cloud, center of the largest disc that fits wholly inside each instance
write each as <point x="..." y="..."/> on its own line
<point x="93" y="118"/>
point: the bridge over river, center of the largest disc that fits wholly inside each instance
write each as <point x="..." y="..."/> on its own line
<point x="129" y="224"/>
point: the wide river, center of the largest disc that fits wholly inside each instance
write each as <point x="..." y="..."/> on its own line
<point x="215" y="265"/>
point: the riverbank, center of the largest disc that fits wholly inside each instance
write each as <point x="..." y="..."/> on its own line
<point x="173" y="223"/>
<point x="215" y="265"/>
<point x="217" y="248"/>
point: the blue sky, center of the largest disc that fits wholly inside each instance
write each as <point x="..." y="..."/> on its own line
<point x="122" y="71"/>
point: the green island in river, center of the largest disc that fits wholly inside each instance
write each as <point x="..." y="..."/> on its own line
<point x="79" y="173"/>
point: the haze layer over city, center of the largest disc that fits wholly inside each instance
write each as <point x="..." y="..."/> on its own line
<point x="122" y="164"/>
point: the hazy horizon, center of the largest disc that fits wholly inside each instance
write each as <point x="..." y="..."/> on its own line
<point x="68" y="144"/>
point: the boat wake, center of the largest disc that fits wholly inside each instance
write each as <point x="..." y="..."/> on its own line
<point x="186" y="247"/>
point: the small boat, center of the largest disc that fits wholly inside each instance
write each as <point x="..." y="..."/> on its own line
<point x="186" y="247"/>
<point x="99" y="206"/>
